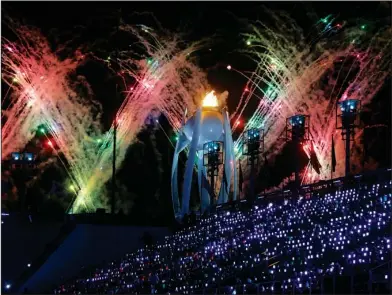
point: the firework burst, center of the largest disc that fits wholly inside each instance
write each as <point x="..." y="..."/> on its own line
<point x="165" y="81"/>
<point x="294" y="75"/>
<point x="43" y="94"/>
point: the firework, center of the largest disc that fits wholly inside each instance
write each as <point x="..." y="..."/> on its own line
<point x="297" y="76"/>
<point x="293" y="75"/>
<point x="43" y="94"/>
<point x="165" y="81"/>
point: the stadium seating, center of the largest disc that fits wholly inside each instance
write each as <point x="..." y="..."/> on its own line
<point x="336" y="238"/>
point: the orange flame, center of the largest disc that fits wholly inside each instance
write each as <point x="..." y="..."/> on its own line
<point x="210" y="100"/>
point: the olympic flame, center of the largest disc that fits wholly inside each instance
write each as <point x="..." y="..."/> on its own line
<point x="210" y="100"/>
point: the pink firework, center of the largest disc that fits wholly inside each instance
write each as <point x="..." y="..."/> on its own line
<point x="41" y="93"/>
<point x="167" y="81"/>
<point x="291" y="75"/>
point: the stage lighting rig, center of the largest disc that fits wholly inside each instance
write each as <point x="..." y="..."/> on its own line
<point x="253" y="146"/>
<point x="347" y="119"/>
<point x="297" y="132"/>
<point x="212" y="159"/>
<point x="22" y="160"/>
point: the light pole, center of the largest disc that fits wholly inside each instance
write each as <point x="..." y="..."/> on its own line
<point x="253" y="146"/>
<point x="348" y="111"/>
<point x="213" y="158"/>
<point x="23" y="164"/>
<point x="297" y="131"/>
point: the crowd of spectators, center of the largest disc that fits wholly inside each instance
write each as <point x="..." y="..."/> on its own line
<point x="287" y="246"/>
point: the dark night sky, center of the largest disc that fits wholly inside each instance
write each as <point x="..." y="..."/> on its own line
<point x="91" y="21"/>
<point x="87" y="22"/>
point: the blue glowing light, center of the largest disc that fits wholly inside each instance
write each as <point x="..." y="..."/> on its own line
<point x="348" y="105"/>
<point x="16" y="156"/>
<point x="28" y="156"/>
<point x="297" y="120"/>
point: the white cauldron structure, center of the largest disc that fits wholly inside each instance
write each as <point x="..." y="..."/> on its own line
<point x="208" y="124"/>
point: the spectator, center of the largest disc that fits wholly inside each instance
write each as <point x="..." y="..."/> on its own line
<point x="283" y="246"/>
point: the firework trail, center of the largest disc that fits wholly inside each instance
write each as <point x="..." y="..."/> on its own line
<point x="27" y="66"/>
<point x="42" y="94"/>
<point x="296" y="76"/>
<point x="166" y="81"/>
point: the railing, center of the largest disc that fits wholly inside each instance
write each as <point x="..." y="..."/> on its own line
<point x="354" y="181"/>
